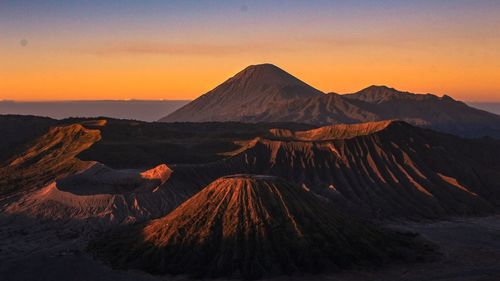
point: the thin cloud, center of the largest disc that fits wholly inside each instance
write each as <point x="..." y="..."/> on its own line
<point x="362" y="42"/>
<point x="196" y="49"/>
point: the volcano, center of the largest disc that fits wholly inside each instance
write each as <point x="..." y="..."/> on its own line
<point x="427" y="110"/>
<point x="250" y="226"/>
<point x="46" y="158"/>
<point x="382" y="164"/>
<point x="253" y="91"/>
<point x="386" y="169"/>
<point x="266" y="93"/>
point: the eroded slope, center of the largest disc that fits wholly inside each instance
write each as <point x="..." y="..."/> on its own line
<point x="249" y="226"/>
<point x="47" y="157"/>
<point x="394" y="171"/>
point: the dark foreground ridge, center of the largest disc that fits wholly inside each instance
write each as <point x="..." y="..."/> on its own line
<point x="250" y="226"/>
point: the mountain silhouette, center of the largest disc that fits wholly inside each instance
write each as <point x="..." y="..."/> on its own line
<point x="266" y="93"/>
<point x="252" y="91"/>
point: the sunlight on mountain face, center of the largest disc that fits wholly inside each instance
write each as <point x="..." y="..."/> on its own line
<point x="247" y="140"/>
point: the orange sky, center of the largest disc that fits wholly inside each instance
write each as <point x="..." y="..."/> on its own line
<point x="455" y="54"/>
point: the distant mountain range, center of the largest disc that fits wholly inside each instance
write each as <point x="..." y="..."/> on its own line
<point x="266" y="93"/>
<point x="144" y="110"/>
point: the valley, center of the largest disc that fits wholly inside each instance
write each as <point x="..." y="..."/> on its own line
<point x="469" y="250"/>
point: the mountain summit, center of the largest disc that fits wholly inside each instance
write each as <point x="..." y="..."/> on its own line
<point x="252" y="91"/>
<point x="267" y="74"/>
<point x="266" y="93"/>
<point x="380" y="94"/>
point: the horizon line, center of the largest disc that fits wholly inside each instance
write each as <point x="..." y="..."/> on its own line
<point x="96" y="100"/>
<point x="161" y="100"/>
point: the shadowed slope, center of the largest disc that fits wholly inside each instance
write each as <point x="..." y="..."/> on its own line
<point x="254" y="90"/>
<point x="17" y="131"/>
<point x="132" y="144"/>
<point x="427" y="110"/>
<point x="396" y="170"/>
<point x="249" y="226"/>
<point x="265" y="93"/>
<point x="388" y="169"/>
<point x="103" y="197"/>
<point x="323" y="109"/>
<point x="47" y="158"/>
<point x="341" y="131"/>
<point x="380" y="94"/>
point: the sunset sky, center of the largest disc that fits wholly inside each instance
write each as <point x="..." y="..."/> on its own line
<point x="78" y="50"/>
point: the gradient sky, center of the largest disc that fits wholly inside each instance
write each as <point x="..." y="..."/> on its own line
<point x="67" y="50"/>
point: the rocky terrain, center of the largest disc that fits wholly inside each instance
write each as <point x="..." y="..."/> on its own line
<point x="337" y="188"/>
<point x="386" y="169"/>
<point x="248" y="226"/>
